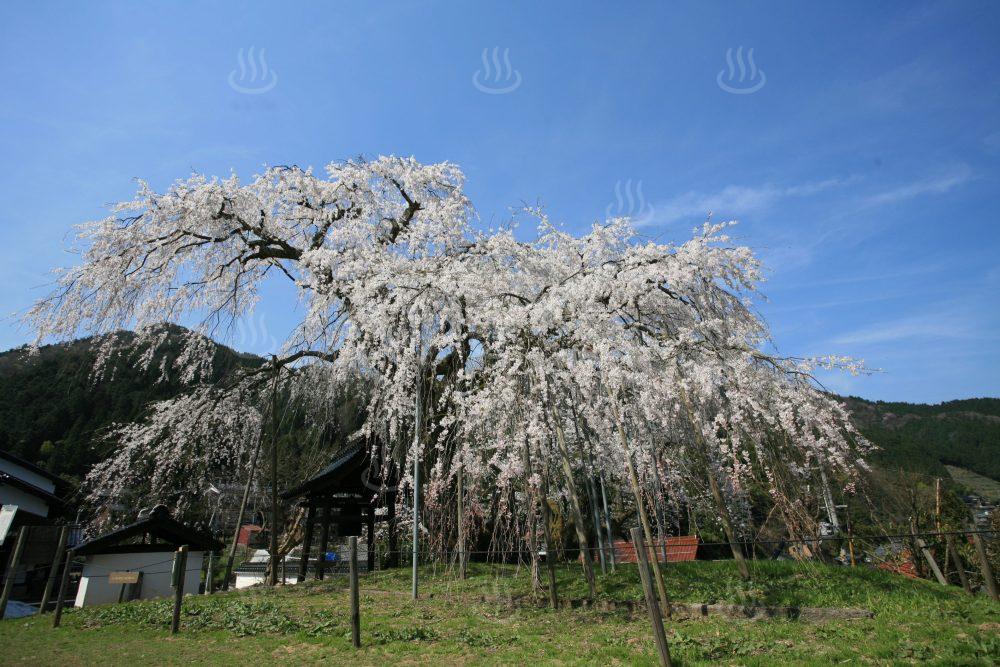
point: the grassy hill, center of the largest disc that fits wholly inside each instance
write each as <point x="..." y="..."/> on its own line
<point x="492" y="619"/>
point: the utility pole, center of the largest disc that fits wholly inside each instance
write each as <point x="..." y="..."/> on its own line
<point x="273" y="546"/>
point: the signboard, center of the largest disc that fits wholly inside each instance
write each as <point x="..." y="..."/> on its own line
<point x="7" y="513"/>
<point x="123" y="577"/>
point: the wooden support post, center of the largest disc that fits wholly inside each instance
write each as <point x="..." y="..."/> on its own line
<point x="652" y="603"/>
<point x="371" y="539"/>
<point x="959" y="564"/>
<point x="392" y="558"/>
<point x="914" y="558"/>
<point x="460" y="505"/>
<point x="355" y="599"/>
<point x="550" y="563"/>
<point x="180" y="565"/>
<point x="324" y="540"/>
<point x="210" y="574"/>
<point x="937" y="505"/>
<point x="984" y="565"/>
<point x="607" y="525"/>
<point x="15" y="560"/>
<point x="57" y="559"/>
<point x="929" y="557"/>
<point x="63" y="584"/>
<point x="306" y="544"/>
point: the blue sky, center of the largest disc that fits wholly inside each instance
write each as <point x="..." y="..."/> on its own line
<point x="860" y="152"/>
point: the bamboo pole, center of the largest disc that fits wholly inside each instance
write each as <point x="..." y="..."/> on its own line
<point x="549" y="546"/>
<point x="633" y="478"/>
<point x="243" y="508"/>
<point x="536" y="583"/>
<point x="574" y="504"/>
<point x="713" y="483"/>
<point x="462" y="559"/>
<point x="607" y="525"/>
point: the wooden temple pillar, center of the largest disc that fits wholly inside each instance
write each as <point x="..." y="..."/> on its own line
<point x="307" y="543"/>
<point x="324" y="539"/>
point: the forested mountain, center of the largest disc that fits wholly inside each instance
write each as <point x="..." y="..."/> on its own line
<point x="925" y="438"/>
<point x="51" y="408"/>
<point x="52" y="405"/>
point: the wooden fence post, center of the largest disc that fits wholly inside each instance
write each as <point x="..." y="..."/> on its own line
<point x="652" y="602"/>
<point x="930" y="560"/>
<point x="50" y="583"/>
<point x="209" y="574"/>
<point x="355" y="602"/>
<point x="959" y="564"/>
<point x="63" y="584"/>
<point x="984" y="565"/>
<point x="15" y="559"/>
<point x="180" y="565"/>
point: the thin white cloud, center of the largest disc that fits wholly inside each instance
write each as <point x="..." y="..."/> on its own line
<point x="733" y="200"/>
<point x="905" y="329"/>
<point x="928" y="186"/>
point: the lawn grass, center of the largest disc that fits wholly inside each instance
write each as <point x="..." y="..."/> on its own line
<point x="487" y="620"/>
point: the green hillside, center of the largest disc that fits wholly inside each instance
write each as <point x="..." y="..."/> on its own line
<point x="53" y="405"/>
<point x="52" y="408"/>
<point x="926" y="438"/>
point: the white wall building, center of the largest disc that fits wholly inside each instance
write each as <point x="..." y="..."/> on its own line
<point x="147" y="546"/>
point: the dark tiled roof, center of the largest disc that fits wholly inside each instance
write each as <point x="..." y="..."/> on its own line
<point x="160" y="525"/>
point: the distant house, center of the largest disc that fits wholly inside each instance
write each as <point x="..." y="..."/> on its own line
<point x="31" y="498"/>
<point x="146" y="546"/>
<point x="36" y="493"/>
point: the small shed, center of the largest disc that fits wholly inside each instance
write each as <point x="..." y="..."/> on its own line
<point x="146" y="546"/>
